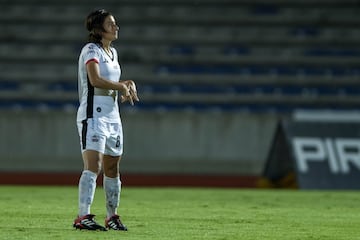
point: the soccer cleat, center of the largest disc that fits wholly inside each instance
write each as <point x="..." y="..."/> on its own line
<point x="115" y="223"/>
<point x="87" y="222"/>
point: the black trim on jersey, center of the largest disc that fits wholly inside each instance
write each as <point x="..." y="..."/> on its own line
<point x="90" y="100"/>
<point x="112" y="52"/>
<point x="83" y="133"/>
<point x="112" y="57"/>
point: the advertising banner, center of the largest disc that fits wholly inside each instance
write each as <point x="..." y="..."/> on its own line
<point x="322" y="154"/>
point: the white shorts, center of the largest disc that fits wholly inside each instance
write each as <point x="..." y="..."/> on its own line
<point x="101" y="136"/>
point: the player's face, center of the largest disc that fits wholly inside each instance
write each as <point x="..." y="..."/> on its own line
<point x="111" y="29"/>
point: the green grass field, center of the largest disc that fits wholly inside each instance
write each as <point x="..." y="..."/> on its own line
<point x="184" y="213"/>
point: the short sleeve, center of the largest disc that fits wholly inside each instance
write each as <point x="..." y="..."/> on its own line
<point x="91" y="53"/>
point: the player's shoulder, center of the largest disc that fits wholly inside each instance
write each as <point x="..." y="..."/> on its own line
<point x="91" y="47"/>
<point x="90" y="50"/>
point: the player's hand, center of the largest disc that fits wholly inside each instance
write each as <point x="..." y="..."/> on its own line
<point x="125" y="92"/>
<point x="131" y="86"/>
<point x="132" y="89"/>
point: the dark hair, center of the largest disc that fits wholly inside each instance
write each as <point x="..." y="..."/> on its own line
<point x="94" y="24"/>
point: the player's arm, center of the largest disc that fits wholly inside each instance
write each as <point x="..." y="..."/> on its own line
<point x="97" y="81"/>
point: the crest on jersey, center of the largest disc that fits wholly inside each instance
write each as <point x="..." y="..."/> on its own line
<point x="95" y="138"/>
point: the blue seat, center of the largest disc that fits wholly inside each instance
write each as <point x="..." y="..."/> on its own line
<point x="332" y="52"/>
<point x="236" y="50"/>
<point x="283" y="70"/>
<point x="62" y="86"/>
<point x="265" y="9"/>
<point x="181" y="50"/>
<point x="7" y="85"/>
<point x="304" y="31"/>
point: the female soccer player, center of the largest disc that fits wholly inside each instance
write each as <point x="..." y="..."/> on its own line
<point x="98" y="120"/>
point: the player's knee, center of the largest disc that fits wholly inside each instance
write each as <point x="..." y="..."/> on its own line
<point x="94" y="166"/>
<point x="111" y="166"/>
<point x="111" y="172"/>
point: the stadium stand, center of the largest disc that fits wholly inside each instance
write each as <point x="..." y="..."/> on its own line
<point x="231" y="55"/>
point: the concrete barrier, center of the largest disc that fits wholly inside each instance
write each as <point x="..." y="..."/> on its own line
<point x="194" y="143"/>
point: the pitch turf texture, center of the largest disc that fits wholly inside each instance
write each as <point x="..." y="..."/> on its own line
<point x="184" y="213"/>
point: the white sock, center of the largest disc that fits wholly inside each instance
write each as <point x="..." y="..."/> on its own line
<point x="112" y="188"/>
<point x="87" y="186"/>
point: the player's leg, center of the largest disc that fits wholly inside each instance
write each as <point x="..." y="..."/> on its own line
<point x="87" y="185"/>
<point x="112" y="188"/>
<point x="93" y="142"/>
<point x="93" y="145"/>
<point x="87" y="182"/>
<point x="112" y="182"/>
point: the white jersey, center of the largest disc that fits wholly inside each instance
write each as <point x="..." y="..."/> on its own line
<point x="96" y="102"/>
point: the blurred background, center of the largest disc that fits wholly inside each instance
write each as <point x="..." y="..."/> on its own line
<point x="214" y="79"/>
